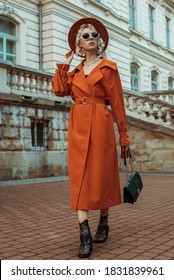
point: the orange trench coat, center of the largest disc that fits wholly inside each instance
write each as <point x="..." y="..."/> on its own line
<point x="92" y="156"/>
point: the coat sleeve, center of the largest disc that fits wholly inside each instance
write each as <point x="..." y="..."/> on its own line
<point x="61" y="82"/>
<point x="116" y="101"/>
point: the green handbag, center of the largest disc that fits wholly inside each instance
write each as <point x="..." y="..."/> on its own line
<point x="133" y="188"/>
<point x="134" y="185"/>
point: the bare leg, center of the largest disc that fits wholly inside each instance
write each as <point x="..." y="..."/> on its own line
<point x="82" y="215"/>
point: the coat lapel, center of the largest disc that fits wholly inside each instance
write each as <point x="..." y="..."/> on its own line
<point x="79" y="79"/>
<point x="85" y="84"/>
<point x="96" y="74"/>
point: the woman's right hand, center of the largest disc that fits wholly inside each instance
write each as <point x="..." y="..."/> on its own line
<point x="68" y="57"/>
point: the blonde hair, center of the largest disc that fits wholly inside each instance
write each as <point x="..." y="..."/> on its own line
<point x="80" y="51"/>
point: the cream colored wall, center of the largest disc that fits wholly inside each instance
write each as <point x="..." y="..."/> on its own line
<point x="153" y="54"/>
<point x="125" y="45"/>
<point x="25" y="14"/>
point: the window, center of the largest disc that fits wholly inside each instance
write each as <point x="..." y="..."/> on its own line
<point x="8" y="40"/>
<point x="151" y="22"/>
<point x="154" y="80"/>
<point x="134" y="77"/>
<point x="132" y="13"/>
<point x="167" y="32"/>
<point x="170" y="83"/>
<point x="39" y="129"/>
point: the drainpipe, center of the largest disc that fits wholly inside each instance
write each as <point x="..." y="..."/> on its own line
<point x="40" y="36"/>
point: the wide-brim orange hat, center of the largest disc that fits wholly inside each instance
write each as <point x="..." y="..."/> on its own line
<point x="99" y="26"/>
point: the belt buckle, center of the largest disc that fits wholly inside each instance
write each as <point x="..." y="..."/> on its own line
<point x="84" y="100"/>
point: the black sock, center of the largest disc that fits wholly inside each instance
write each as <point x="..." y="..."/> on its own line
<point x="104" y="219"/>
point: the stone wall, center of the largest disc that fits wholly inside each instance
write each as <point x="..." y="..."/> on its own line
<point x="17" y="158"/>
<point x="152" y="149"/>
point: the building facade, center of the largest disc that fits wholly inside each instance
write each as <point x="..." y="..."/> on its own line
<point x="141" y="36"/>
<point x="33" y="38"/>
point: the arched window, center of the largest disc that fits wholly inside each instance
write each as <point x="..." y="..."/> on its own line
<point x="8" y="40"/>
<point x="170" y="83"/>
<point x="134" y="77"/>
<point x="154" y="80"/>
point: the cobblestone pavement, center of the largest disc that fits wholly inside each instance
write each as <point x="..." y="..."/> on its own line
<point x="36" y="222"/>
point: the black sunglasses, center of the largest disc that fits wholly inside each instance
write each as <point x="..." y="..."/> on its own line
<point x="94" y="35"/>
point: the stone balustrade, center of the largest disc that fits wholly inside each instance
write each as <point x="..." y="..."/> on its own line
<point x="24" y="80"/>
<point x="149" y="109"/>
<point x="166" y="96"/>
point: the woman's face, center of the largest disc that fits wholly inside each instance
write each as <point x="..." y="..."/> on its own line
<point x="91" y="43"/>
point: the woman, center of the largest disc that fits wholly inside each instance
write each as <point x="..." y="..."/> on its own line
<point x="92" y="156"/>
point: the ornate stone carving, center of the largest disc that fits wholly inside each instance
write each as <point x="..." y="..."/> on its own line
<point x="8" y="9"/>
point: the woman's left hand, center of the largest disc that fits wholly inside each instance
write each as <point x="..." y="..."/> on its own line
<point x="125" y="151"/>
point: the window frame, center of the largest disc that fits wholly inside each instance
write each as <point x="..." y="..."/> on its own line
<point x="153" y="82"/>
<point x="151" y="13"/>
<point x="132" y="14"/>
<point x="134" y="78"/>
<point x="168" y="27"/>
<point x="7" y="37"/>
<point x="170" y="79"/>
<point x="34" y="135"/>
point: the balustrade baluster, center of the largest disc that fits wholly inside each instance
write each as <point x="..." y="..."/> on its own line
<point x="38" y="84"/>
<point x="20" y="81"/>
<point x="171" y="99"/>
<point x="168" y="116"/>
<point x="143" y="110"/>
<point x="139" y="106"/>
<point x="166" y="98"/>
<point x="151" y="112"/>
<point x="26" y="82"/>
<point x="134" y="104"/>
<point x="49" y="87"/>
<point x="159" y="113"/>
<point x="32" y="85"/>
<point x="13" y="80"/>
<point x="126" y="101"/>
<point x="44" y="86"/>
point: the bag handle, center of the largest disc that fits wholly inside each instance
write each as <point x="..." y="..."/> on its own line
<point x="129" y="155"/>
<point x="125" y="161"/>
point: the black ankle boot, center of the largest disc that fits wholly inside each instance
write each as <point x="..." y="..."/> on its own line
<point x="85" y="240"/>
<point x="102" y="230"/>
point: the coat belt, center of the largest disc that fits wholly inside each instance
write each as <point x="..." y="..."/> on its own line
<point x="87" y="100"/>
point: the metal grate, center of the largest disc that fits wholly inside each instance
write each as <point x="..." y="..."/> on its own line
<point x="39" y="129"/>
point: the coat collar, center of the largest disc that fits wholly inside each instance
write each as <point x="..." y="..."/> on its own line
<point x="87" y="83"/>
<point x="104" y="63"/>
